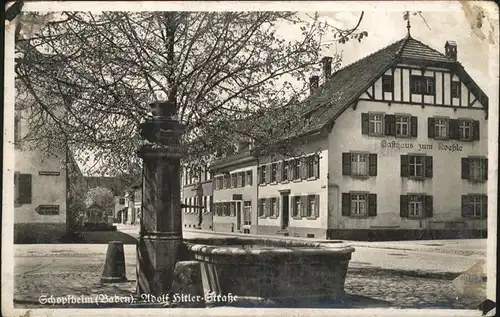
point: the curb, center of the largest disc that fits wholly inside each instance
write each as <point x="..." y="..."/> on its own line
<point x="398" y="272"/>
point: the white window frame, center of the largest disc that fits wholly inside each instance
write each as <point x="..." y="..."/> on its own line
<point x="375" y="123"/>
<point x="273" y="177"/>
<point x="413" y="163"/>
<point x="296" y="200"/>
<point x="415" y="205"/>
<point x="274" y="207"/>
<point x="359" y="204"/>
<point x="402" y="121"/>
<point x="311" y="205"/>
<point x="465" y="126"/>
<point x="440" y="128"/>
<point x="357" y="159"/>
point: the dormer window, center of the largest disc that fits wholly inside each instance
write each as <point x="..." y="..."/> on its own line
<point x="387" y="83"/>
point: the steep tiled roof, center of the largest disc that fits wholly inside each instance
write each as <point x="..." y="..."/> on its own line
<point x="328" y="101"/>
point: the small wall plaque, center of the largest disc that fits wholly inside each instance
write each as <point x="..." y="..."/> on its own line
<point x="49" y="173"/>
<point x="47" y="210"/>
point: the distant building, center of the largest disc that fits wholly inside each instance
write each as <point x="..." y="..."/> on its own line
<point x="116" y="185"/>
<point x="393" y="146"/>
<point x="197" y="195"/>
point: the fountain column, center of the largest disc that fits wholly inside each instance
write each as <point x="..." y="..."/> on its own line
<point x="160" y="240"/>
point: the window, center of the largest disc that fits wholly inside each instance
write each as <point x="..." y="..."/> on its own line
<point x="311" y="206"/>
<point x="376" y="124"/>
<point x="274" y="172"/>
<point x="464" y="129"/>
<point x="249" y="178"/>
<point x="475" y="169"/>
<point x="262" y="174"/>
<point x="422" y="85"/>
<point x="296" y="169"/>
<point x="232" y="209"/>
<point x="416" y="205"/>
<point x="227" y="181"/>
<point x="359" y="164"/>
<point x="234" y="180"/>
<point x="285" y="170"/>
<point x="358" y="204"/>
<point x="274" y="207"/>
<point x="416" y="166"/>
<point x="225" y="209"/>
<point x="474" y="206"/>
<point x="296" y="205"/>
<point x="403" y="125"/>
<point x="387" y="83"/>
<point x="311" y="166"/>
<point x="455" y="89"/>
<point x="440" y="128"/>
<point x="262" y="207"/>
<point x="121" y="201"/>
<point x="247" y="213"/>
<point x="241" y="179"/>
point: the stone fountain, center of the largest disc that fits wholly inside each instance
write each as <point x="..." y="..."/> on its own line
<point x="254" y="270"/>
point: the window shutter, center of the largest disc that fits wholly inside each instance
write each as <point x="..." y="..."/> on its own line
<point x="259" y="175"/>
<point x="24" y="189"/>
<point x="277" y="206"/>
<point x="484" y="206"/>
<point x="466" y="210"/>
<point x="365" y="123"/>
<point x="16" y="187"/>
<point x="465" y="168"/>
<point x="428" y="166"/>
<point x="259" y="207"/>
<point x="346" y="163"/>
<point x="267" y="168"/>
<point x="372" y="205"/>
<point x="279" y="172"/>
<point x="316" y="206"/>
<point x="414" y="126"/>
<point x="303" y="169"/>
<point x="316" y="166"/>
<point x="430" y="127"/>
<point x="303" y="206"/>
<point x="475" y="130"/>
<point x="429" y="208"/>
<point x="453" y="129"/>
<point x="372" y="169"/>
<point x="346" y="204"/>
<point x="404" y="165"/>
<point x="403" y="206"/>
<point x="484" y="167"/>
<point x="390" y="124"/>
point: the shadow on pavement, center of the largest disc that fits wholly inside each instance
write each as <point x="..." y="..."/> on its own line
<point x="104" y="237"/>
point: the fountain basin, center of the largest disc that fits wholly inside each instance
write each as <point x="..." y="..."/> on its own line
<point x="264" y="269"/>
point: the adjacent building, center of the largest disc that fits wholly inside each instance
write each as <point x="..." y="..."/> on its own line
<point x="196" y="197"/>
<point x="393" y="146"/>
<point x="40" y="184"/>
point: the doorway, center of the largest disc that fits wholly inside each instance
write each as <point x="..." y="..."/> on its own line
<point x="285" y="211"/>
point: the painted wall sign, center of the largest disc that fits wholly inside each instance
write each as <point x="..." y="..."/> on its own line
<point x="421" y="146"/>
<point x="49" y="173"/>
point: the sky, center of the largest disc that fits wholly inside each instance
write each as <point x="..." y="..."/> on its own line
<point x="444" y="20"/>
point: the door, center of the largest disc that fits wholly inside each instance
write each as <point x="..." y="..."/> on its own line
<point x="285" y="211"/>
<point x="238" y="216"/>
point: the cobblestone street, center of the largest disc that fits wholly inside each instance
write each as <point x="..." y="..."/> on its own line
<point x="67" y="273"/>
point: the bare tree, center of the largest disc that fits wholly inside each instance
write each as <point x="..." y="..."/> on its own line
<point x="88" y="78"/>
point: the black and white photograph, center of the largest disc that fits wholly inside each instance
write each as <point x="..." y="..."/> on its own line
<point x="250" y="158"/>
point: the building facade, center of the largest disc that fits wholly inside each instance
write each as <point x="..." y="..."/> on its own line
<point x="394" y="147"/>
<point x="197" y="196"/>
<point x="40" y="184"/>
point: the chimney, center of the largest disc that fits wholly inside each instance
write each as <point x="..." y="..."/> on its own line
<point x="313" y="83"/>
<point x="327" y="67"/>
<point x="450" y="49"/>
